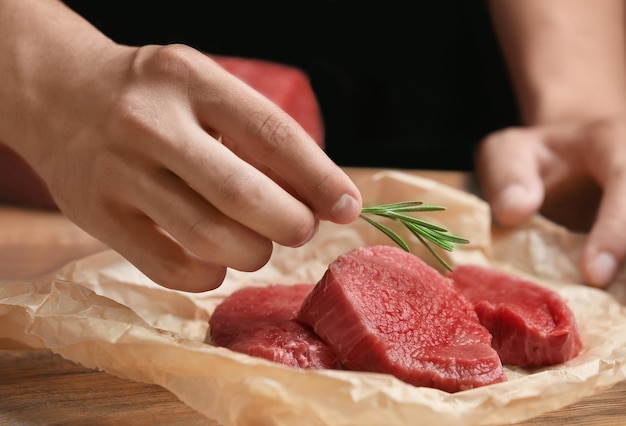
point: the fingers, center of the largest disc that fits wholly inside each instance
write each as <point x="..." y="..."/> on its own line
<point x="198" y="226"/>
<point x="259" y="132"/>
<point x="157" y="255"/>
<point x="605" y="249"/>
<point x="508" y="166"/>
<point x="241" y="192"/>
<point x="166" y="229"/>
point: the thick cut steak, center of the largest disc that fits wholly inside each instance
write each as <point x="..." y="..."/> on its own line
<point x="260" y="321"/>
<point x="532" y="326"/>
<point x="384" y="310"/>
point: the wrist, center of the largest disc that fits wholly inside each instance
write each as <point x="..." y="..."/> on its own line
<point x="570" y="100"/>
<point x="44" y="73"/>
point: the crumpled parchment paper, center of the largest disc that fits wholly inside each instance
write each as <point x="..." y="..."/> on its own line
<point x="103" y="313"/>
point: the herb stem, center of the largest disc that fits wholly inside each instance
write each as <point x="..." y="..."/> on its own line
<point x="427" y="233"/>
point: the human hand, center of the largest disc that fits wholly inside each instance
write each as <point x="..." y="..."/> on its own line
<point x="182" y="168"/>
<point x="575" y="175"/>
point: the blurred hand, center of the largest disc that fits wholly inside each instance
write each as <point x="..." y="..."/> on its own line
<point x="575" y="175"/>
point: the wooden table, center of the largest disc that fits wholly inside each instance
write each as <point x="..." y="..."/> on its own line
<point x="39" y="387"/>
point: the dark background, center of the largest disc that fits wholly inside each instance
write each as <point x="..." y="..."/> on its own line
<point x="400" y="84"/>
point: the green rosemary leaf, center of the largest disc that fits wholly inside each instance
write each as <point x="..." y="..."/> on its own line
<point x="454" y="239"/>
<point x="434" y="253"/>
<point x="427" y="233"/>
<point x="404" y="206"/>
<point x="398" y="205"/>
<point x="410" y="219"/>
<point x="389" y="232"/>
<point x="420" y="208"/>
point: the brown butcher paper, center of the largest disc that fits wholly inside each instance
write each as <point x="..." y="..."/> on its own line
<point x="103" y="313"/>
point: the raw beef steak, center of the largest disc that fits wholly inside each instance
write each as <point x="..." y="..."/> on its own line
<point x="384" y="310"/>
<point x="260" y="321"/>
<point x="532" y="326"/>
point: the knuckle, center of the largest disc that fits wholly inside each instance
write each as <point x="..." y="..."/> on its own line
<point x="170" y="68"/>
<point x="201" y="235"/>
<point x="238" y="190"/>
<point x="175" y="61"/>
<point x="508" y="136"/>
<point x="501" y="134"/>
<point x="275" y="131"/>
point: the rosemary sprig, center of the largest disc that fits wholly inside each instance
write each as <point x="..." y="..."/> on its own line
<point x="425" y="231"/>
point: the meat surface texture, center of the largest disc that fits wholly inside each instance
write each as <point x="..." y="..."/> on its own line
<point x="532" y="326"/>
<point x="384" y="310"/>
<point x="260" y="321"/>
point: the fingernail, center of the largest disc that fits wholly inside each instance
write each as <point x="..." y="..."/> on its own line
<point x="345" y="210"/>
<point x="602" y="269"/>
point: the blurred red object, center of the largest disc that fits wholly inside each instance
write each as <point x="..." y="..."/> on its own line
<point x="287" y="86"/>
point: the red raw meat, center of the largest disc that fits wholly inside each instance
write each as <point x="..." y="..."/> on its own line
<point x="384" y="310"/>
<point x="532" y="326"/>
<point x="260" y="321"/>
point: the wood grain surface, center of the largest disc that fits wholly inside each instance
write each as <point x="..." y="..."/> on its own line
<point x="38" y="387"/>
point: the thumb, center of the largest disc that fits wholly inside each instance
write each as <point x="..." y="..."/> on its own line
<point x="508" y="170"/>
<point x="605" y="250"/>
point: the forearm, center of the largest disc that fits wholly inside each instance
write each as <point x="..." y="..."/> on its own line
<point x="47" y="53"/>
<point x="565" y="57"/>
